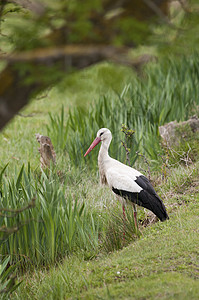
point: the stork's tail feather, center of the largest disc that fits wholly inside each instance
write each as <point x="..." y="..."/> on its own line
<point x="160" y="211"/>
<point x="155" y="204"/>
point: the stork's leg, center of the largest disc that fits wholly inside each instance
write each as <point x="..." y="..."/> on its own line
<point x="124" y="213"/>
<point x="135" y="216"/>
<point x="124" y="219"/>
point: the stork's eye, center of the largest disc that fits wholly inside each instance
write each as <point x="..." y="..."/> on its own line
<point x="101" y="133"/>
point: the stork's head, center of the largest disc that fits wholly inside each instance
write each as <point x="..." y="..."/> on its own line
<point x="103" y="135"/>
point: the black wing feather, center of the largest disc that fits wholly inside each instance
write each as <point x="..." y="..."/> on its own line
<point x="146" y="198"/>
<point x="144" y="183"/>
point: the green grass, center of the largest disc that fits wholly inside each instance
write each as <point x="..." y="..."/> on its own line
<point x="7" y="281"/>
<point x="169" y="92"/>
<point x="71" y="245"/>
<point x="140" y="105"/>
<point x="63" y="221"/>
<point x="162" y="264"/>
<point x="75" y="90"/>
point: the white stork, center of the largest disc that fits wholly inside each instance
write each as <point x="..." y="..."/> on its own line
<point x="125" y="181"/>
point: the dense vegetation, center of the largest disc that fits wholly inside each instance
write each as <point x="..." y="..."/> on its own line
<point x="73" y="216"/>
<point x="61" y="234"/>
<point x="168" y="92"/>
<point x="162" y="264"/>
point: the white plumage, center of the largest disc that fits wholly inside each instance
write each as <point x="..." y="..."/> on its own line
<point x="125" y="181"/>
<point x="121" y="180"/>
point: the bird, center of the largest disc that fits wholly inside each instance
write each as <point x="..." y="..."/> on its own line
<point x="124" y="181"/>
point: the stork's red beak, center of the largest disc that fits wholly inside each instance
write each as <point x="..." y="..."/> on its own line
<point x="94" y="143"/>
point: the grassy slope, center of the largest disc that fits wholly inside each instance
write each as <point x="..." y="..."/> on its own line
<point x="162" y="264"/>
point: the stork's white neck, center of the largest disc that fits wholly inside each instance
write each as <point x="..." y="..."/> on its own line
<point x="103" y="158"/>
<point x="103" y="152"/>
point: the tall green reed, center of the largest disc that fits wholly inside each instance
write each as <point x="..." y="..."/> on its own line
<point x="59" y="223"/>
<point x="8" y="282"/>
<point x="168" y="92"/>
